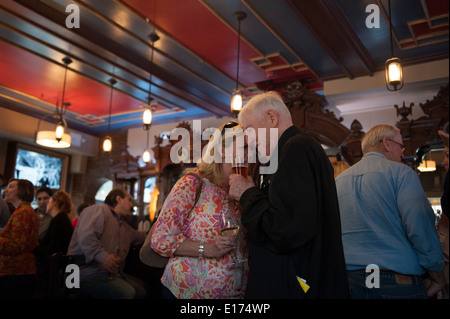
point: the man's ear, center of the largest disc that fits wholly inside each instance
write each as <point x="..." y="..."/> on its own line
<point x="273" y="118"/>
<point x="385" y="144"/>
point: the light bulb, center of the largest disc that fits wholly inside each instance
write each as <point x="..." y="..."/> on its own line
<point x="146" y="156"/>
<point x="394" y="72"/>
<point x="59" y="133"/>
<point x="107" y="144"/>
<point x="147" y="117"/>
<point x="236" y="103"/>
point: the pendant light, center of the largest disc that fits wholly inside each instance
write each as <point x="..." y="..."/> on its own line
<point x="57" y="138"/>
<point x="393" y="66"/>
<point x="107" y="143"/>
<point x="236" y="97"/>
<point x="147" y="116"/>
<point x="148" y="112"/>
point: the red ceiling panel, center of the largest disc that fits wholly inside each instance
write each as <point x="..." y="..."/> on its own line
<point x="43" y="79"/>
<point x="189" y="22"/>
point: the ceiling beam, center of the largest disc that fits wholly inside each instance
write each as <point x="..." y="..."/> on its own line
<point x="336" y="35"/>
<point x="178" y="87"/>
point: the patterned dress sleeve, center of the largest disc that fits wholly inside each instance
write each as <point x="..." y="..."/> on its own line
<point x="20" y="234"/>
<point x="169" y="232"/>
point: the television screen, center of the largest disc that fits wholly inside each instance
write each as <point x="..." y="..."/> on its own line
<point x="40" y="169"/>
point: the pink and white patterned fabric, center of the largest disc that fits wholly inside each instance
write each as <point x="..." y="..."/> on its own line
<point x="191" y="277"/>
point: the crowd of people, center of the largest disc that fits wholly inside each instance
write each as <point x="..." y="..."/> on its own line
<point x="309" y="229"/>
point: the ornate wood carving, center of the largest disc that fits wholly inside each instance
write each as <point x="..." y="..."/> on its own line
<point x="416" y="133"/>
<point x="309" y="115"/>
<point x="351" y="147"/>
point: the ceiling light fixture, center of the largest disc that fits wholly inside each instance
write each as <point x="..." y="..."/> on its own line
<point x="107" y="143"/>
<point x="236" y="97"/>
<point x="58" y="138"/>
<point x="147" y="116"/>
<point x="148" y="112"/>
<point x="393" y="66"/>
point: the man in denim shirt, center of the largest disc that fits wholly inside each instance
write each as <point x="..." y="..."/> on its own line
<point x="387" y="222"/>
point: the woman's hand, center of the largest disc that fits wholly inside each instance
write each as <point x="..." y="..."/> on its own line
<point x="221" y="246"/>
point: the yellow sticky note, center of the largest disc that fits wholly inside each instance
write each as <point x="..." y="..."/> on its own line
<point x="303" y="284"/>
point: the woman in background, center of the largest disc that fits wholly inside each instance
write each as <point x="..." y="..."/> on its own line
<point x="17" y="241"/>
<point x="59" y="233"/>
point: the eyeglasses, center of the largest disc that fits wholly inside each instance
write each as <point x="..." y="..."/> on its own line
<point x="399" y="144"/>
<point x="228" y="125"/>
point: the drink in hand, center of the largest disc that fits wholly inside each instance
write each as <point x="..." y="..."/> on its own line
<point x="230" y="230"/>
<point x="240" y="168"/>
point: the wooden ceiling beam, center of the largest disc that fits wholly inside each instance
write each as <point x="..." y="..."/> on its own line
<point x="175" y="85"/>
<point x="330" y="27"/>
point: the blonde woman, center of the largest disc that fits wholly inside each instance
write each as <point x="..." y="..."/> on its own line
<point x="202" y="261"/>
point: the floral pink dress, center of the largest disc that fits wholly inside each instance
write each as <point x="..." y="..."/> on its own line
<point x="191" y="277"/>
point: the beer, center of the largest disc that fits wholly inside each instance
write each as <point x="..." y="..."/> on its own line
<point x="230" y="231"/>
<point x="240" y="169"/>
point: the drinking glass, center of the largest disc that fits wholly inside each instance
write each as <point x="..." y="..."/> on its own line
<point x="240" y="165"/>
<point x="229" y="226"/>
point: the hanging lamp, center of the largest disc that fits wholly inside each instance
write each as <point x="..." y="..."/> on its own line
<point x="236" y="97"/>
<point x="393" y="66"/>
<point x="148" y="112"/>
<point x="58" y="138"/>
<point x="107" y="143"/>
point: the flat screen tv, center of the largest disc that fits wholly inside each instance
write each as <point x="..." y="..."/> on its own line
<point x="41" y="167"/>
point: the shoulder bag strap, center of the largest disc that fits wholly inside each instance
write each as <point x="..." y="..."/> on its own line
<point x="198" y="192"/>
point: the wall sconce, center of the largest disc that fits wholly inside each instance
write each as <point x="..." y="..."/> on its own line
<point x="427" y="166"/>
<point x="393" y="66"/>
<point x="236" y="98"/>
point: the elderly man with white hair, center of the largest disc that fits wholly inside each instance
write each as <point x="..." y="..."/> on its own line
<point x="292" y="218"/>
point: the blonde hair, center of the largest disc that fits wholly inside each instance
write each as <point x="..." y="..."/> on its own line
<point x="339" y="167"/>
<point x="260" y="103"/>
<point x="376" y="134"/>
<point x="212" y="170"/>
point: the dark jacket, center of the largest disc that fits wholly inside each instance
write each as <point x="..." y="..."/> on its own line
<point x="294" y="225"/>
<point x="56" y="240"/>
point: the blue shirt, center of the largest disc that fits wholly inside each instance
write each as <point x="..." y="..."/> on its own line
<point x="386" y="218"/>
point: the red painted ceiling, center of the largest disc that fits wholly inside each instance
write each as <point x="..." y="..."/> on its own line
<point x="194" y="69"/>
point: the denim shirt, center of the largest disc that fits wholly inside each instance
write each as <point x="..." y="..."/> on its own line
<point x="386" y="218"/>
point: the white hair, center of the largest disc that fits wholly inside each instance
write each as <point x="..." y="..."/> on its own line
<point x="260" y="103"/>
<point x="376" y="134"/>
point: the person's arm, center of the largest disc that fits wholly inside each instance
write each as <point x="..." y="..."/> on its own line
<point x="89" y="229"/>
<point x="437" y="282"/>
<point x="168" y="238"/>
<point x="418" y="221"/>
<point x="20" y="230"/>
<point x="218" y="248"/>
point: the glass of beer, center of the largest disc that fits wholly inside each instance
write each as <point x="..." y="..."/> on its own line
<point x="240" y="165"/>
